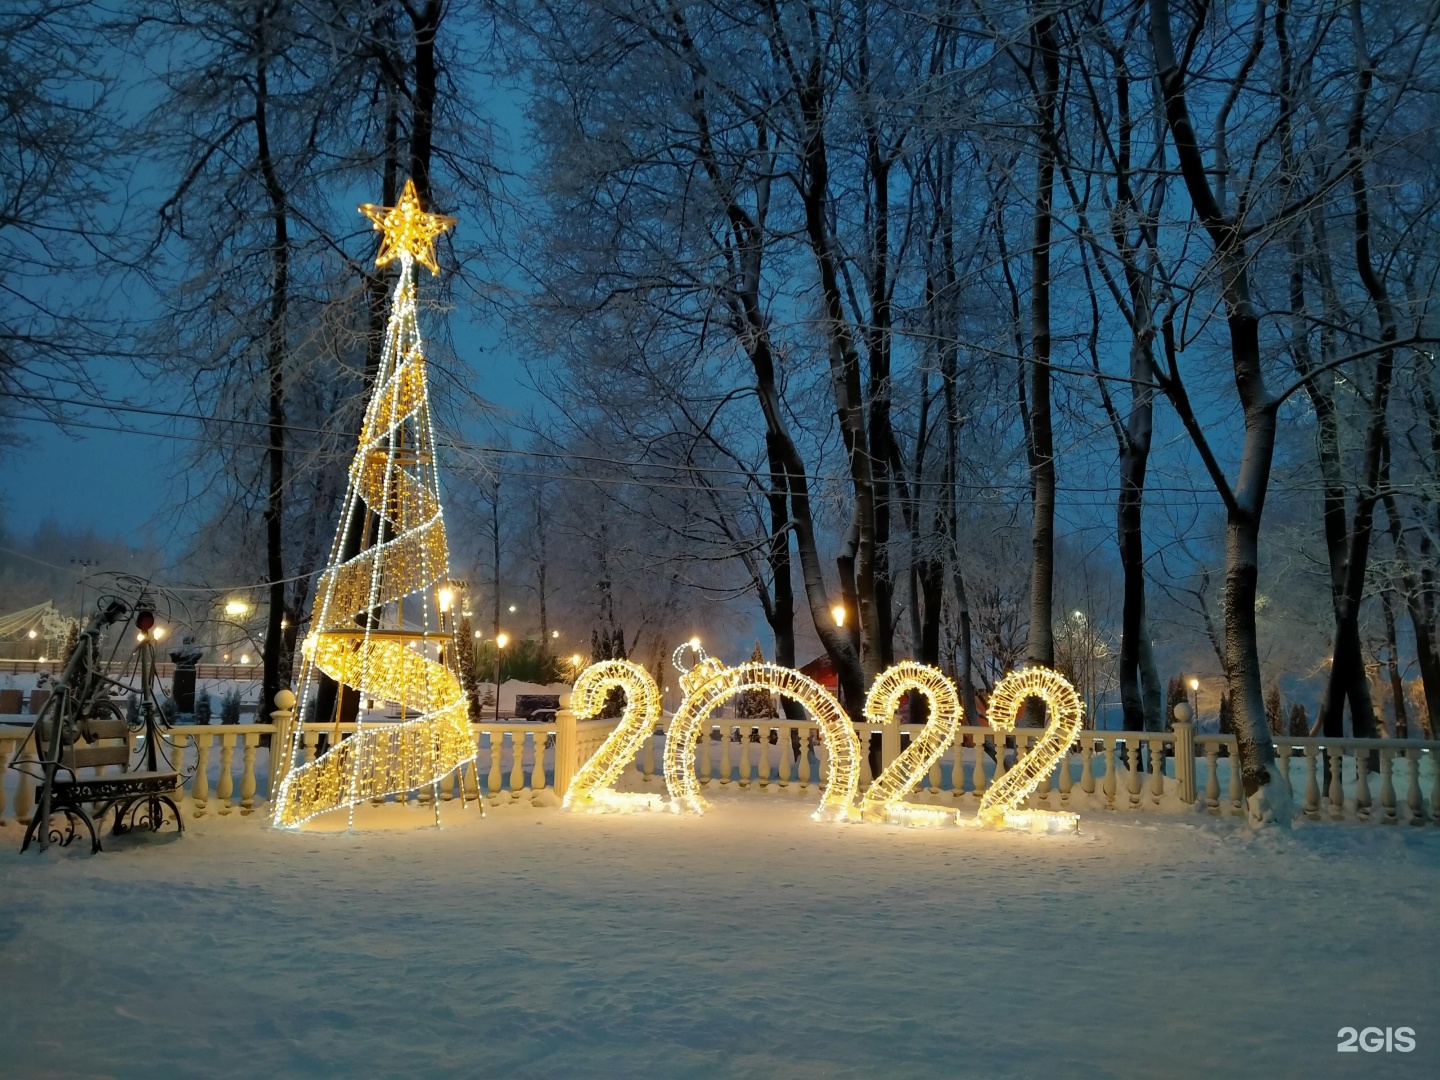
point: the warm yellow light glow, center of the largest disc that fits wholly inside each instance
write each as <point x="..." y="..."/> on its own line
<point x="1194" y="684"/>
<point x="140" y="635"/>
<point x="409" y="232"/>
<point x="512" y="609"/>
<point x="236" y="607"/>
<point x="32" y="635"/>
<point x="245" y="658"/>
<point x="594" y="785"/>
<point x="838" y="614"/>
<point x="158" y="633"/>
<point x="477" y="634"/>
<point x="1001" y="803"/>
<point x="694" y="643"/>
<point x="392" y="477"/>
<point x="720" y="685"/>
<point x="502" y="640"/>
<point x="885" y="799"/>
<point x="42" y="659"/>
<point x="575" y="661"/>
<point x="554" y="633"/>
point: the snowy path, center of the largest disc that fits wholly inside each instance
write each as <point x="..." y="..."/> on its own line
<point x="749" y="943"/>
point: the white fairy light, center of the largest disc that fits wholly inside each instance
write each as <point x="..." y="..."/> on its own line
<point x="711" y="685"/>
<point x="1000" y="805"/>
<point x="885" y="799"/>
<point x="593" y="787"/>
<point x="395" y="480"/>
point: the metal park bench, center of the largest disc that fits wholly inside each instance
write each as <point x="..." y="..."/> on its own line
<point x="136" y="797"/>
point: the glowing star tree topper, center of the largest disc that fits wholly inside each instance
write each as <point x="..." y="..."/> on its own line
<point x="376" y="627"/>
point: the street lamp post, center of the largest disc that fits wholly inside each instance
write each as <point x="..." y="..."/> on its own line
<point x="501" y="640"/>
<point x="1195" y="693"/>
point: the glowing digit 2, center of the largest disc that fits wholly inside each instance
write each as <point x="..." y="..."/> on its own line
<point x="1000" y="805"/>
<point x="885" y="799"/>
<point x="594" y="785"/>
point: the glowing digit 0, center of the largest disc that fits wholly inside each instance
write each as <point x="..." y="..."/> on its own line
<point x="885" y="800"/>
<point x="722" y="684"/>
<point x="1000" y="805"/>
<point x="594" y="785"/>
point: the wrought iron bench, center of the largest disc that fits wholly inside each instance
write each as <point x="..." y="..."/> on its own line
<point x="138" y="798"/>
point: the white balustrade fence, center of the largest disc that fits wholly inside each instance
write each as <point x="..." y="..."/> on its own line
<point x="1383" y="780"/>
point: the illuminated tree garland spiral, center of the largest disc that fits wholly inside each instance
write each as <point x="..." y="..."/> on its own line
<point x="393" y="483"/>
<point x="885" y="799"/>
<point x="594" y="785"/>
<point x="1000" y="805"/>
<point x="843" y="774"/>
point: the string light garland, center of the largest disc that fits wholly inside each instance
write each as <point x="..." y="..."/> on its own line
<point x="1000" y="805"/>
<point x="593" y="787"/>
<point x="884" y="801"/>
<point x="394" y="488"/>
<point x="842" y="775"/>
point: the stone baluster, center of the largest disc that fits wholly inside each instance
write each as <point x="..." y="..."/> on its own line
<point x="538" y="782"/>
<point x="1185" y="761"/>
<point x="867" y="775"/>
<point x="1362" y="783"/>
<point x="1000" y="747"/>
<point x="492" y="778"/>
<point x="1434" y="787"/>
<point x="804" y="770"/>
<point x="648" y="768"/>
<point x="447" y="786"/>
<point x="977" y="772"/>
<point x="1042" y="790"/>
<point x="517" y="764"/>
<point x="764" y="760"/>
<point x="1108" y="785"/>
<point x="1157" y="769"/>
<point x="1237" y="789"/>
<point x="725" y="762"/>
<point x="226" y="785"/>
<point x="1413" y="802"/>
<point x="1312" y="786"/>
<point x="786" y="748"/>
<point x="7" y="747"/>
<point x="742" y="754"/>
<point x="1087" y="766"/>
<point x="1388" y="812"/>
<point x="1066" y="781"/>
<point x="247" y="773"/>
<point x="1132" y="747"/>
<point x="282" y="739"/>
<point x="1212" y="778"/>
<point x="822" y="758"/>
<point x="957" y="767"/>
<point x="1337" y="785"/>
<point x="200" y="787"/>
<point x="311" y="744"/>
<point x="566" y="750"/>
<point x="707" y="757"/>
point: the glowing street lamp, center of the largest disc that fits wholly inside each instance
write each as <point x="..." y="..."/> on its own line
<point x="446" y="596"/>
<point x="1195" y="691"/>
<point x="838" y="614"/>
<point x="235" y="608"/>
<point x="501" y="640"/>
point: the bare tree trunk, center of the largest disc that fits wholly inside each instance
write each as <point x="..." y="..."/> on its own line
<point x="1040" y="648"/>
<point x="276" y="663"/>
<point x="1268" y="796"/>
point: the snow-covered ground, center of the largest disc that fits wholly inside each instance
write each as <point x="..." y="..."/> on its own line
<point x="751" y="942"/>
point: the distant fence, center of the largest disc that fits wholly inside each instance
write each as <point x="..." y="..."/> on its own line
<point x="1375" y="780"/>
<point x="240" y="672"/>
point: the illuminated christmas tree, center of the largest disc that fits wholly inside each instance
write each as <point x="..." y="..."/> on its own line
<point x="380" y="624"/>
